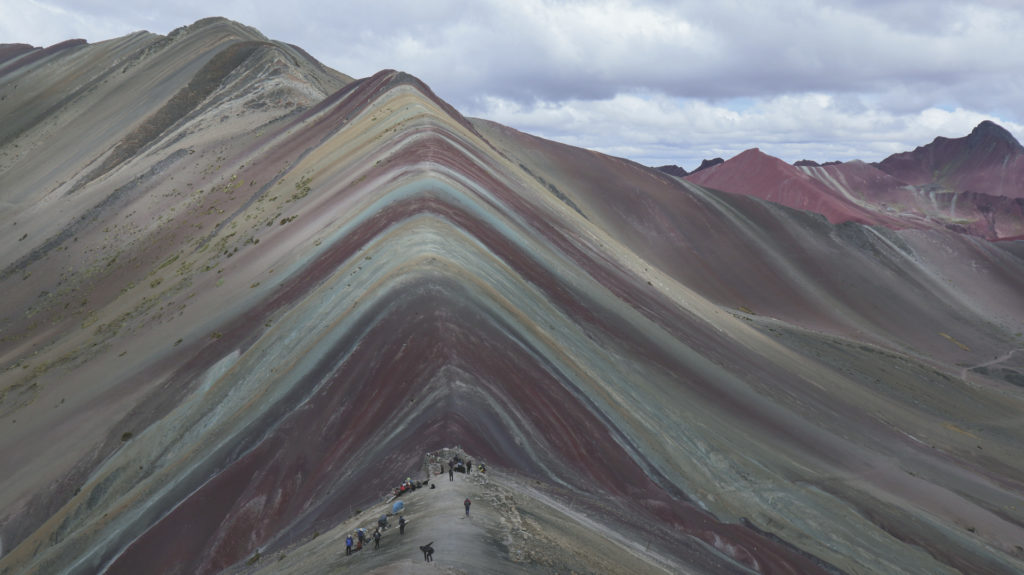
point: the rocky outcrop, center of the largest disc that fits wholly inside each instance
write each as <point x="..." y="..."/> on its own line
<point x="673" y="170"/>
<point x="705" y="164"/>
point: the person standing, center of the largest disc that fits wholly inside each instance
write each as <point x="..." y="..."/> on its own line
<point x="348" y="545"/>
<point x="376" y="539"/>
<point x="467" y="503"/>
<point x="451" y="473"/>
<point x="401" y="525"/>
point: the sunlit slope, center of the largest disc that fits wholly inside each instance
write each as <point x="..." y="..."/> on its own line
<point x="254" y="325"/>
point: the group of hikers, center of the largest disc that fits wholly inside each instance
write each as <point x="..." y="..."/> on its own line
<point x="408" y="485"/>
<point x="355" y="541"/>
<point x="457" y="464"/>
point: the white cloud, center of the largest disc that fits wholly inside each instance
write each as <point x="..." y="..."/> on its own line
<point x="656" y="129"/>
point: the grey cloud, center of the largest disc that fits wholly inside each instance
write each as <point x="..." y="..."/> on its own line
<point x="552" y="51"/>
<point x="883" y="61"/>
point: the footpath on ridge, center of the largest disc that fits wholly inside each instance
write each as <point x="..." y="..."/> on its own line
<point x="461" y="544"/>
<point x="513" y="527"/>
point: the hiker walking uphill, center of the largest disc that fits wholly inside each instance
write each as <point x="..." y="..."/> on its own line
<point x="467" y="503"/>
<point x="401" y="525"/>
<point x="451" y="471"/>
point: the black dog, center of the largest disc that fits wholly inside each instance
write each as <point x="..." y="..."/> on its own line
<point x="428" y="551"/>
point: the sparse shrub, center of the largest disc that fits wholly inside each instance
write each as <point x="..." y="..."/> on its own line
<point x="302" y="188"/>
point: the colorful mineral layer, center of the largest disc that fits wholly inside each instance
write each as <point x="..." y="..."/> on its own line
<point x="245" y="296"/>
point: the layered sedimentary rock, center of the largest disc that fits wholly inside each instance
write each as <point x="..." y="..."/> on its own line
<point x="972" y="185"/>
<point x="762" y="176"/>
<point x="245" y="293"/>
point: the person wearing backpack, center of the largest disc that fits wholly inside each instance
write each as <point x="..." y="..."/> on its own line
<point x="428" y="551"/>
<point x="467" y="503"/>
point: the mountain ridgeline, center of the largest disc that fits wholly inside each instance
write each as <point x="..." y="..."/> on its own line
<point x="245" y="294"/>
<point x="972" y="185"/>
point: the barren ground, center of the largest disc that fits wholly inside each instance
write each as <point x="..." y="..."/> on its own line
<point x="512" y="528"/>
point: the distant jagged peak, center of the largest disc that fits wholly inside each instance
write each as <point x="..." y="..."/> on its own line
<point x="989" y="131"/>
<point x="983" y="135"/>
<point x="705" y="164"/>
<point x="988" y="160"/>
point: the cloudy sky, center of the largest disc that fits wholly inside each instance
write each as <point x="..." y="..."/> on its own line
<point x="656" y="81"/>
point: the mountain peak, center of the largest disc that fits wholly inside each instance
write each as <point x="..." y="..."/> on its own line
<point x="219" y="23"/>
<point x="989" y="160"/>
<point x="989" y="131"/>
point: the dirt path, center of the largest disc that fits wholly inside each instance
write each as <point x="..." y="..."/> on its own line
<point x="511" y="528"/>
<point x="461" y="544"/>
<point x="1001" y="359"/>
